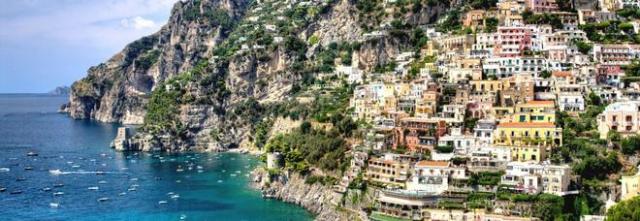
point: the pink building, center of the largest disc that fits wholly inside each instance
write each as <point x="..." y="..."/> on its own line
<point x="541" y="5"/>
<point x="514" y="41"/>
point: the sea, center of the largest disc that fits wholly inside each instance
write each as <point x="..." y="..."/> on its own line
<point x="77" y="176"/>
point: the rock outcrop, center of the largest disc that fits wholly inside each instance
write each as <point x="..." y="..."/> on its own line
<point x="318" y="199"/>
<point x="117" y="90"/>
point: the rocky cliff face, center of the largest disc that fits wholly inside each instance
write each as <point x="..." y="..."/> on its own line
<point x="317" y="198"/>
<point x="244" y="52"/>
<point x="117" y="90"/>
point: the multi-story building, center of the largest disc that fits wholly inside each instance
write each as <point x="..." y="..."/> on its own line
<point x="622" y="117"/>
<point x="535" y="111"/>
<point x="533" y="178"/>
<point x="528" y="133"/>
<point x="390" y="169"/>
<point x="541" y="5"/>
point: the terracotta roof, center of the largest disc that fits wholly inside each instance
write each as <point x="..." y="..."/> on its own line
<point x="527" y="124"/>
<point x="540" y="103"/>
<point x="426" y="163"/>
<point x="561" y="73"/>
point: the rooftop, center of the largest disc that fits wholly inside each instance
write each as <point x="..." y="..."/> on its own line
<point x="527" y="124"/>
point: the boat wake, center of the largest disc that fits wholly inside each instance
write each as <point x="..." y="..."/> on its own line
<point x="59" y="172"/>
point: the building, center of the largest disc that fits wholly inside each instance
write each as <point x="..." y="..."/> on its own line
<point x="622" y="117"/>
<point x="528" y="133"/>
<point x="630" y="186"/>
<point x="534" y="178"/>
<point x="390" y="169"/>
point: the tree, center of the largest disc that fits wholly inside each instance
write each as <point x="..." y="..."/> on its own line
<point x="491" y="25"/>
<point x="630" y="145"/>
<point x="583" y="47"/>
<point x="625" y="210"/>
<point x="548" y="207"/>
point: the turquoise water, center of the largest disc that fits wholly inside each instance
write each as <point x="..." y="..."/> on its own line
<point x="138" y="186"/>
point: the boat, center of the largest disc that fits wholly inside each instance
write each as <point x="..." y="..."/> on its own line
<point x="93" y="188"/>
<point x="100" y="172"/>
<point x="103" y="199"/>
<point x="122" y="194"/>
<point x="46" y="189"/>
<point x="4" y="169"/>
<point x="170" y="193"/>
<point x="54" y="205"/>
<point x="162" y="202"/>
<point x="58" y="193"/>
<point x="28" y="168"/>
<point x="58" y="185"/>
<point x="16" y="192"/>
<point x="55" y="172"/>
<point x="102" y="182"/>
<point x="176" y="196"/>
<point x="75" y="166"/>
<point x="32" y="154"/>
<point x="131" y="189"/>
<point x="179" y="170"/>
<point x="2" y="189"/>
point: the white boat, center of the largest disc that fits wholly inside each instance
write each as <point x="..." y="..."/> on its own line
<point x="179" y="170"/>
<point x="103" y="199"/>
<point x="131" y="189"/>
<point x="54" y="205"/>
<point x="46" y="189"/>
<point x="32" y="154"/>
<point x="162" y="202"/>
<point x="176" y="196"/>
<point x="93" y="188"/>
<point x="102" y="182"/>
<point x="55" y="172"/>
<point x="170" y="193"/>
<point x="4" y="169"/>
<point x="122" y="194"/>
<point x="58" y="193"/>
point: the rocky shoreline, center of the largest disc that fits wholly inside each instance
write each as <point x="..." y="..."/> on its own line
<point x="291" y="187"/>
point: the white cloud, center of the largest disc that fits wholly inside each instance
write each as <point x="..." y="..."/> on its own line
<point x="108" y="24"/>
<point x="137" y="23"/>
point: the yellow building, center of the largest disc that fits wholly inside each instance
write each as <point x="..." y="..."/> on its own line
<point x="535" y="111"/>
<point x="528" y="133"/>
<point x="528" y="153"/>
<point x="630" y="186"/>
<point x="390" y="169"/>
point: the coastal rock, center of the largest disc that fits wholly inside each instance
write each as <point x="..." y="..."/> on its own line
<point x="291" y="187"/>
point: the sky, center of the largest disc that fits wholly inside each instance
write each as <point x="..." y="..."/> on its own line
<point x="50" y="43"/>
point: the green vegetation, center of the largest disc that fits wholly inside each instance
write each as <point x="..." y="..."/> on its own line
<point x="610" y="32"/>
<point x="485" y="178"/>
<point x="301" y="150"/>
<point x="632" y="72"/>
<point x="148" y="59"/>
<point x="629" y="12"/>
<point x="483" y="4"/>
<point x="544" y="18"/>
<point x="491" y="25"/>
<point x="625" y="210"/>
<point x="583" y="47"/>
<point x="324" y="180"/>
<point x="163" y="106"/>
<point x="630" y="145"/>
<point x="444" y="149"/>
<point x="451" y="22"/>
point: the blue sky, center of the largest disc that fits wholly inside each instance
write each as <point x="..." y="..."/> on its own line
<point x="49" y="43"/>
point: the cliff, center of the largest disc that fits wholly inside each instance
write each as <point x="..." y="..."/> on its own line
<point x="209" y="75"/>
<point x="316" y="198"/>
